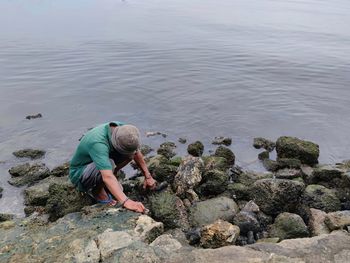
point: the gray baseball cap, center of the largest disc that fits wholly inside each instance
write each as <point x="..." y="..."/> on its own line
<point x="126" y="139"/>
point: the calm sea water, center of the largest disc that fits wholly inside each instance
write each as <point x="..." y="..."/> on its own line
<point x="195" y="69"/>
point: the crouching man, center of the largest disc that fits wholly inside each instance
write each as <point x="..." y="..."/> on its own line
<point x="103" y="151"/>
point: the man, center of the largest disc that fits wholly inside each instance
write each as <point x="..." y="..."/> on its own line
<point x="101" y="152"/>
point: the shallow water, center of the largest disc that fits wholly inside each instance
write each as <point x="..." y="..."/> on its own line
<point x="194" y="69"/>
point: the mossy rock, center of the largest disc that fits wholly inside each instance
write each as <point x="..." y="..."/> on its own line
<point x="156" y="161"/>
<point x="61" y="170"/>
<point x="146" y="149"/>
<point x="164" y="172"/>
<point x="264" y="155"/>
<point x="25" y="174"/>
<point x="290" y="163"/>
<point x="214" y="182"/>
<point x="320" y="197"/>
<point x="167" y="149"/>
<point x="266" y="144"/>
<point x="239" y="191"/>
<point x="196" y="149"/>
<point x="248" y="178"/>
<point x="291" y="147"/>
<point x="215" y="162"/>
<point x="162" y="207"/>
<point x="288" y="225"/>
<point x="226" y="153"/>
<point x="29" y="153"/>
<point x="176" y="161"/>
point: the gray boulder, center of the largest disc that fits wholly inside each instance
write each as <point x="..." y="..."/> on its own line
<point x="320" y="197"/>
<point x="288" y="225"/>
<point x="28" y="173"/>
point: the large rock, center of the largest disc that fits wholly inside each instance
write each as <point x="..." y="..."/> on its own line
<point x="61" y="170"/>
<point x="195" y="149"/>
<point x="164" y="172"/>
<point x="189" y="175"/>
<point x="288" y="225"/>
<point x="28" y="173"/>
<point x="317" y="223"/>
<point x="208" y="211"/>
<point x="290" y="147"/>
<point x="226" y="153"/>
<point x="220" y="233"/>
<point x="274" y="196"/>
<point x="29" y="153"/>
<point x="214" y="182"/>
<point x="320" y="197"/>
<point x="215" y="163"/>
<point x="338" y="220"/>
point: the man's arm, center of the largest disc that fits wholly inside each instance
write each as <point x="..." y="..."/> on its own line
<point x="149" y="181"/>
<point x="114" y="187"/>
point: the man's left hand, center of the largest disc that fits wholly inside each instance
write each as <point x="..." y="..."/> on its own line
<point x="149" y="183"/>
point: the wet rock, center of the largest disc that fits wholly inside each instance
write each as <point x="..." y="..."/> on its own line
<point x="6" y="217"/>
<point x="64" y="199"/>
<point x="61" y="170"/>
<point x="176" y="161"/>
<point x="274" y="196"/>
<point x="264" y="155"/>
<point x="338" y="220"/>
<point x="208" y="211"/>
<point x="288" y="225"/>
<point x="288" y="173"/>
<point x="193" y="235"/>
<point x="196" y="149"/>
<point x="264" y="143"/>
<point x="214" y="182"/>
<point x="290" y="163"/>
<point x="189" y="175"/>
<point x="182" y="140"/>
<point x="146" y="149"/>
<point x="248" y="178"/>
<point x="220" y="233"/>
<point x="215" y="163"/>
<point x="167" y="149"/>
<point x="148" y="229"/>
<point x="226" y="153"/>
<point x="320" y="197"/>
<point x="222" y="141"/>
<point x="317" y="223"/>
<point x="324" y="173"/>
<point x="35" y="116"/>
<point x="247" y="221"/>
<point x="166" y="242"/>
<point x="26" y="173"/>
<point x="270" y="165"/>
<point x="156" y="161"/>
<point x="238" y="191"/>
<point x="29" y="153"/>
<point x="164" y="172"/>
<point x="305" y="151"/>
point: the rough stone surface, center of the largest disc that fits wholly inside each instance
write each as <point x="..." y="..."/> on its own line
<point x="338" y="220"/>
<point x="29" y="153"/>
<point x="317" y="223"/>
<point x="196" y="149"/>
<point x="167" y="149"/>
<point x="61" y="170"/>
<point x="208" y="211"/>
<point x="148" y="229"/>
<point x="146" y="149"/>
<point x="226" y="153"/>
<point x="320" y="197"/>
<point x="222" y="140"/>
<point x="274" y="196"/>
<point x="238" y="191"/>
<point x="28" y="173"/>
<point x="215" y="163"/>
<point x="288" y="173"/>
<point x="305" y="151"/>
<point x="266" y="144"/>
<point x="214" y="182"/>
<point x="6" y="217"/>
<point x="220" y="233"/>
<point x="166" y="242"/>
<point x="288" y="225"/>
<point x="247" y="221"/>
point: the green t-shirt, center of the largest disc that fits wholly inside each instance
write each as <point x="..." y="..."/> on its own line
<point x="95" y="146"/>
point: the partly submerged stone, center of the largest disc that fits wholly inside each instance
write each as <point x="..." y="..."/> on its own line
<point x="6" y="217"/>
<point x="338" y="220"/>
<point x="182" y="140"/>
<point x="274" y="196"/>
<point x="146" y="149"/>
<point x="167" y="149"/>
<point x="317" y="223"/>
<point x="266" y="144"/>
<point x="215" y="163"/>
<point x="1" y="190"/>
<point x="265" y="155"/>
<point x="288" y="225"/>
<point x="164" y="172"/>
<point x="208" y="211"/>
<point x="214" y="182"/>
<point x="29" y="153"/>
<point x="320" y="197"/>
<point x="218" y="234"/>
<point x="222" y="140"/>
<point x="226" y="153"/>
<point x="291" y="147"/>
<point x="61" y="170"/>
<point x="196" y="149"/>
<point x="28" y="173"/>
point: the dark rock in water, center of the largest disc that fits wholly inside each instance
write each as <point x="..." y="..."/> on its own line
<point x="222" y="140"/>
<point x="264" y="155"/>
<point x="167" y="149"/>
<point x="35" y="116"/>
<point x="214" y="182"/>
<point x="26" y="173"/>
<point x="247" y="221"/>
<point x="64" y="199"/>
<point x="218" y="234"/>
<point x="320" y="197"/>
<point x="305" y="151"/>
<point x="264" y="143"/>
<point x="151" y="133"/>
<point x="270" y="165"/>
<point x="182" y="140"/>
<point x="193" y="235"/>
<point x="208" y="211"/>
<point x="289" y="225"/>
<point x="6" y="217"/>
<point x="29" y="153"/>
<point x="290" y="163"/>
<point x="1" y="189"/>
<point x="163" y="208"/>
<point x="196" y="149"/>
<point x="164" y="172"/>
<point x="145" y="149"/>
<point x="274" y="196"/>
<point x="61" y="170"/>
<point x="226" y="153"/>
<point x="288" y="173"/>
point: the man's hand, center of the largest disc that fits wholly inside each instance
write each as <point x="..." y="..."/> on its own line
<point x="134" y="206"/>
<point x="149" y="182"/>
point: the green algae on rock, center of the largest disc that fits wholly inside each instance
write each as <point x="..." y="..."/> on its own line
<point x="196" y="149"/>
<point x="29" y="153"/>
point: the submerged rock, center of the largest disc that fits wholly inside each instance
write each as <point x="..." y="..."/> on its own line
<point x="266" y="144"/>
<point x="220" y="233"/>
<point x="226" y="153"/>
<point x="29" y="153"/>
<point x="320" y="197"/>
<point x="208" y="211"/>
<point x="222" y="140"/>
<point x="289" y="225"/>
<point x="28" y="173"/>
<point x="196" y="149"/>
<point x="274" y="196"/>
<point x="167" y="149"/>
<point x="305" y="151"/>
<point x="182" y="140"/>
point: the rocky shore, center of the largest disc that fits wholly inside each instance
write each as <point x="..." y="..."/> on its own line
<point x="206" y="209"/>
